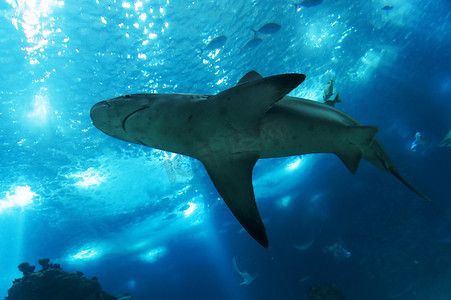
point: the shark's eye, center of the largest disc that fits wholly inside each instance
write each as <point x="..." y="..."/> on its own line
<point x="128" y="96"/>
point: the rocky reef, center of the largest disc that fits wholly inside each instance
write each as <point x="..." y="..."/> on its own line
<point x="52" y="283"/>
<point x="325" y="292"/>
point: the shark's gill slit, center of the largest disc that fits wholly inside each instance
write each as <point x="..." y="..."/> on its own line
<point x="126" y="118"/>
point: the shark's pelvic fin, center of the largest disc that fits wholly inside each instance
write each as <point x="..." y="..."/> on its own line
<point x="351" y="159"/>
<point x="232" y="177"/>
<point x="360" y="137"/>
<point x="245" y="104"/>
<point x="250" y="76"/>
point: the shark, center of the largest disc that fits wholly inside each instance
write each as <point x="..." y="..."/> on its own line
<point x="446" y="142"/>
<point x="230" y="131"/>
<point x="247" y="278"/>
<point x="304" y="246"/>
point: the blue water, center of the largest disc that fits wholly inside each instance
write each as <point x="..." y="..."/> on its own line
<point x="151" y="223"/>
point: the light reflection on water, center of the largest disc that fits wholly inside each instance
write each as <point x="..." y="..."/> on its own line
<point x="35" y="19"/>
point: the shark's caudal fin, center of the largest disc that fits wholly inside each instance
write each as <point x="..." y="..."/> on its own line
<point x="407" y="184"/>
<point x="377" y="155"/>
<point x="360" y="137"/>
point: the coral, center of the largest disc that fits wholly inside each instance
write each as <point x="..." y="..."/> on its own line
<point x="26" y="269"/>
<point x="53" y="283"/>
<point x="44" y="262"/>
<point x="325" y="292"/>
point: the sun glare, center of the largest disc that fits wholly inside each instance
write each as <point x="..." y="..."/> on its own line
<point x="20" y="196"/>
<point x="40" y="109"/>
<point x="190" y="209"/>
<point x="294" y="164"/>
<point x="35" y="19"/>
<point x="153" y="255"/>
<point x="284" y="202"/>
<point x="85" y="254"/>
<point x="88" y="178"/>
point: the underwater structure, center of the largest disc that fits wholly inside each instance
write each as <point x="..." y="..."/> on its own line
<point x="52" y="283"/>
<point x="326" y="291"/>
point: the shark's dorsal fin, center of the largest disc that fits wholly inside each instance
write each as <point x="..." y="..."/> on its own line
<point x="250" y="76"/>
<point x="232" y="176"/>
<point x="244" y="105"/>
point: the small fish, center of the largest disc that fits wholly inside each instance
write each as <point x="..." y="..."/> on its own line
<point x="331" y="102"/>
<point x="125" y="297"/>
<point x="169" y="217"/>
<point x="328" y="90"/>
<point x="251" y="44"/>
<point x="308" y="3"/>
<point x="304" y="246"/>
<point x="184" y="207"/>
<point x="387" y="7"/>
<point x="247" y="278"/>
<point x="418" y="143"/>
<point x="269" y="28"/>
<point x="214" y="44"/>
<point x="446" y="142"/>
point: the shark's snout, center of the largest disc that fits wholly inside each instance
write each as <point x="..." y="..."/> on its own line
<point x="100" y="116"/>
<point x="98" y="109"/>
<point x="109" y="116"/>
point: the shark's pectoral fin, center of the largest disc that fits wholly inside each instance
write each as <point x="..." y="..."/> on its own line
<point x="232" y="177"/>
<point x="358" y="139"/>
<point x="244" y="105"/>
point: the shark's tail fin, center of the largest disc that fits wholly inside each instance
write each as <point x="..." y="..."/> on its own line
<point x="377" y="155"/>
<point x="410" y="186"/>
<point x="360" y="137"/>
